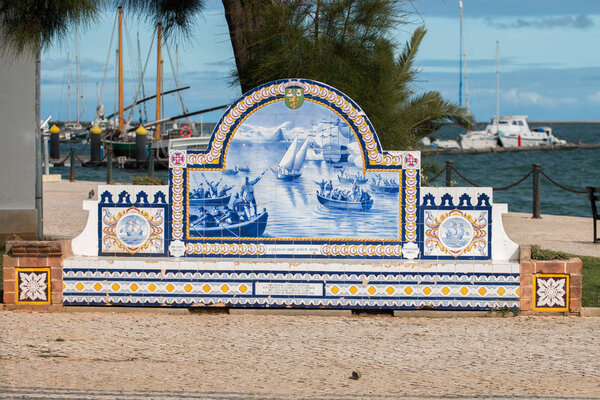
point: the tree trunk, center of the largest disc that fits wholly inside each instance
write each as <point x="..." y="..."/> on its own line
<point x="242" y="18"/>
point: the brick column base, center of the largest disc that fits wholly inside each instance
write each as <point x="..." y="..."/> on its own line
<point x="33" y="273"/>
<point x="553" y="286"/>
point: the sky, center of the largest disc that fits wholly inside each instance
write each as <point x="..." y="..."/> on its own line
<point x="549" y="60"/>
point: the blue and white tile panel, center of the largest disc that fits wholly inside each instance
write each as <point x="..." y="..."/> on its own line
<point x="352" y="285"/>
<point x="132" y="220"/>
<point x="456" y="223"/>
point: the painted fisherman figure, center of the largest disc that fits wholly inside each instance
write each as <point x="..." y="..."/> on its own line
<point x="248" y="192"/>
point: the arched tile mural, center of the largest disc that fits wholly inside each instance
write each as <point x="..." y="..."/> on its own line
<point x="295" y="168"/>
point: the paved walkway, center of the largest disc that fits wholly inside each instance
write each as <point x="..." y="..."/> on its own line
<point x="105" y="355"/>
<point x="64" y="218"/>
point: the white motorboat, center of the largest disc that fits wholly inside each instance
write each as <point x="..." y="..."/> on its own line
<point x="513" y="131"/>
<point x="445" y="144"/>
<point x="478" y="140"/>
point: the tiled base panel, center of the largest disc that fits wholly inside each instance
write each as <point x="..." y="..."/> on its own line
<point x="161" y="282"/>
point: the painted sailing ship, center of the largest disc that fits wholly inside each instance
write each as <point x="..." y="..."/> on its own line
<point x="291" y="163"/>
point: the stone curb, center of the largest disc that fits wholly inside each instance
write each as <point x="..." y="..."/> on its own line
<point x="591" y="312"/>
<point x="449" y="314"/>
<point x="255" y="311"/>
<point x="588" y="311"/>
<point x="291" y="311"/>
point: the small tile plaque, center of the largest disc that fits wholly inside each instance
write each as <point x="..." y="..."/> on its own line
<point x="33" y="285"/>
<point x="551" y="292"/>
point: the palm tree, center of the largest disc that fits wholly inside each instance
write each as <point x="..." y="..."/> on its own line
<point x="349" y="45"/>
<point x="29" y="26"/>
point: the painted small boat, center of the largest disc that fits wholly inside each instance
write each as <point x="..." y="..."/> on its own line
<point x="359" y="179"/>
<point x="243" y="169"/>
<point x="384" y="188"/>
<point x="344" y="204"/>
<point x="231" y="171"/>
<point x="286" y="175"/>
<point x="254" y="227"/>
<point x="211" y="201"/>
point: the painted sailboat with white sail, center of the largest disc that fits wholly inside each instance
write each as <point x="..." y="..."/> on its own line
<point x="291" y="163"/>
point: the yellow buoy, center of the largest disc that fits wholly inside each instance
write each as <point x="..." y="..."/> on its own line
<point x="54" y="129"/>
<point x="96" y="130"/>
<point x="141" y="130"/>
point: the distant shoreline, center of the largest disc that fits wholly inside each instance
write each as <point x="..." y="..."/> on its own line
<point x="553" y="122"/>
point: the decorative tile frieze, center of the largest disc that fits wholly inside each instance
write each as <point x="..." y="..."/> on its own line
<point x="267" y="288"/>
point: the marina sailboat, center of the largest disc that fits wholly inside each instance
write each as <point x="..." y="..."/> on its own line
<point x="291" y="163"/>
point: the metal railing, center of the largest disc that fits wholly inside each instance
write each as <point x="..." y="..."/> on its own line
<point x="536" y="171"/>
<point x="109" y="159"/>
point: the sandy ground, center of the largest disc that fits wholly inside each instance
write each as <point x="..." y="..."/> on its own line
<point x="250" y="356"/>
<point x="64" y="218"/>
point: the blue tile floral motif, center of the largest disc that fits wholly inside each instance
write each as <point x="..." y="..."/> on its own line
<point x="456" y="223"/>
<point x="132" y="222"/>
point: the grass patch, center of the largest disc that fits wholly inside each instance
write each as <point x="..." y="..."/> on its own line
<point x="146" y="180"/>
<point x="591" y="281"/>
<point x="542" y="254"/>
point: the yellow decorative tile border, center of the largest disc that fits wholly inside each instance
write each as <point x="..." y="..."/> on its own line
<point x="31" y="284"/>
<point x="551" y="292"/>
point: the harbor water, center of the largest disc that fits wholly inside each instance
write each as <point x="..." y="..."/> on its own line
<point x="575" y="168"/>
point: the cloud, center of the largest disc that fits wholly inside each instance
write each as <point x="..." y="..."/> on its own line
<point x="506" y="8"/>
<point x="594" y="98"/>
<point x="565" y="21"/>
<point x="517" y="97"/>
<point x="478" y="62"/>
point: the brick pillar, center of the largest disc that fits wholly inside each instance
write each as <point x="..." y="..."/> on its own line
<point x="33" y="273"/>
<point x="553" y="286"/>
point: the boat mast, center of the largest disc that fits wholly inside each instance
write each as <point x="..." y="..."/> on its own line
<point x="497" y="84"/>
<point x="158" y="79"/>
<point x="120" y="67"/>
<point x="68" y="87"/>
<point x="145" y="116"/>
<point x="463" y="64"/>
<point x="77" y="72"/>
<point x="460" y="62"/>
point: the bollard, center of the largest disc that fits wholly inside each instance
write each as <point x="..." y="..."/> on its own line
<point x="54" y="142"/>
<point x="449" y="166"/>
<point x="46" y="154"/>
<point x="109" y="165"/>
<point x="536" y="190"/>
<point x="151" y="164"/>
<point x="95" y="141"/>
<point x="72" y="161"/>
<point x="141" y="138"/>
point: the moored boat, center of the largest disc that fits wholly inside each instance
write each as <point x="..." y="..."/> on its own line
<point x="513" y="131"/>
<point x="478" y="140"/>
